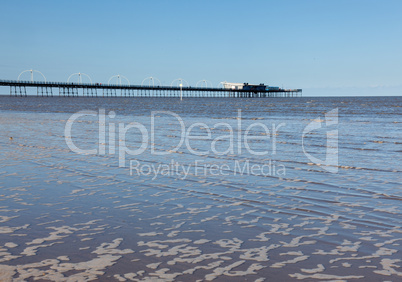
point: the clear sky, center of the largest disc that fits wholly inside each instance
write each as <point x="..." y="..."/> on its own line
<point x="342" y="47"/>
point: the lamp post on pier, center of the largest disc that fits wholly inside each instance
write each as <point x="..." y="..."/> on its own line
<point x="181" y="91"/>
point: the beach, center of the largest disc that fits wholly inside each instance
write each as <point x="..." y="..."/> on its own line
<point x="108" y="189"/>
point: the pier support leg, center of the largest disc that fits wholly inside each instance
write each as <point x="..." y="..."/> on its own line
<point x="23" y="91"/>
<point x="13" y="90"/>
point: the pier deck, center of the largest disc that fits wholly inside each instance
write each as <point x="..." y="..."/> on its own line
<point x="64" y="89"/>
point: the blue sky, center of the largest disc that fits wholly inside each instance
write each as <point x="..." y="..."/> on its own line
<point x="327" y="48"/>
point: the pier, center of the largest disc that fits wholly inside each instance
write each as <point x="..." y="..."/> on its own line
<point x="68" y="89"/>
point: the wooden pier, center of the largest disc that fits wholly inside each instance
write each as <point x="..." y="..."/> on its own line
<point x="64" y="89"/>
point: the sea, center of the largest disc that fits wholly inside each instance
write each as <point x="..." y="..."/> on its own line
<point x="203" y="189"/>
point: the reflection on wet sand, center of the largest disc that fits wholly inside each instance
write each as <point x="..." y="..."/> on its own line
<point x="74" y="217"/>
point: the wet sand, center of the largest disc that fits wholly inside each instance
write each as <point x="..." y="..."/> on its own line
<point x="71" y="217"/>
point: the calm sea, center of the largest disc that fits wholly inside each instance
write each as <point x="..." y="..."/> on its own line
<point x="138" y="189"/>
